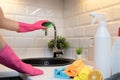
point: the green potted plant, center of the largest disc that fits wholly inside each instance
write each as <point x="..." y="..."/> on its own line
<point x="61" y="43"/>
<point x="79" y="53"/>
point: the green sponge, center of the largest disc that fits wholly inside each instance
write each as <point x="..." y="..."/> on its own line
<point x="47" y="24"/>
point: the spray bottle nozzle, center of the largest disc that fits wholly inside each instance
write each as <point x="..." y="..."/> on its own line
<point x="100" y="17"/>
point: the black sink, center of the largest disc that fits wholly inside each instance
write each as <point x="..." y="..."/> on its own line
<point x="48" y="61"/>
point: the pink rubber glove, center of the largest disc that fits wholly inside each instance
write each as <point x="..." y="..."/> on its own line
<point x="9" y="59"/>
<point x="24" y="27"/>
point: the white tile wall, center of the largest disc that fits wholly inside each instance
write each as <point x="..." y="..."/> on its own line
<point x="116" y="11"/>
<point x="15" y="9"/>
<point x="79" y="31"/>
<point x="20" y="52"/>
<point x="106" y="3"/>
<point x="10" y="41"/>
<point x="93" y="5"/>
<point x="35" y="52"/>
<point x="24" y="42"/>
<point x="85" y="19"/>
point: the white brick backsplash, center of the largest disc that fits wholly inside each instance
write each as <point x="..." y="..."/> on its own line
<point x="108" y="12"/>
<point x="8" y="33"/>
<point x="35" y="52"/>
<point x="90" y="30"/>
<point x="32" y="34"/>
<point x="68" y="3"/>
<point x="25" y="42"/>
<point x="50" y="32"/>
<point x="58" y="13"/>
<point x="13" y="17"/>
<point x="106" y="3"/>
<point x="69" y="53"/>
<point x="83" y="42"/>
<point x="27" y="19"/>
<point x="15" y="9"/>
<point x="73" y="42"/>
<point x="35" y="11"/>
<point x="68" y="12"/>
<point x="48" y="53"/>
<point x="66" y="22"/>
<point x="113" y="28"/>
<point x="50" y="12"/>
<point x="10" y="41"/>
<point x="24" y="2"/>
<point x="74" y="21"/>
<point x="85" y="19"/>
<point x="20" y="52"/>
<point x="81" y="7"/>
<point x="79" y="31"/>
<point x="60" y="31"/>
<point x="116" y="11"/>
<point x="42" y="42"/>
<point x="68" y="32"/>
<point x="58" y="23"/>
<point x="2" y="32"/>
<point x="58" y="4"/>
<point x="93" y="4"/>
<point x="9" y="1"/>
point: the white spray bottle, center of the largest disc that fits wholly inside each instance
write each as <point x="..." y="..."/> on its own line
<point x="102" y="46"/>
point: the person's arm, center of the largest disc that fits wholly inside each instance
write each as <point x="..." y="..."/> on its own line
<point x="6" y="23"/>
<point x="9" y="24"/>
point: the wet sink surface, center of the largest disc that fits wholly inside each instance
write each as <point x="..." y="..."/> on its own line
<point x="48" y="61"/>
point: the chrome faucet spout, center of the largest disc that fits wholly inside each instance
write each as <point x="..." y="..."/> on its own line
<point x="56" y="52"/>
<point x="55" y="37"/>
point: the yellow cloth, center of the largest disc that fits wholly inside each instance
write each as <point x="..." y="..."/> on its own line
<point x="76" y="78"/>
<point x="74" y="68"/>
<point x="83" y="74"/>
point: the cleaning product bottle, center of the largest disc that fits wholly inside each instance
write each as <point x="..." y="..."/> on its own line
<point x="116" y="55"/>
<point x="102" y="46"/>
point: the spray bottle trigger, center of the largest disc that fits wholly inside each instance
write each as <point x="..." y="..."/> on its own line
<point x="93" y="21"/>
<point x="95" y="17"/>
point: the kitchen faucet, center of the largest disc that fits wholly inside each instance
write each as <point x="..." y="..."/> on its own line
<point x="56" y="52"/>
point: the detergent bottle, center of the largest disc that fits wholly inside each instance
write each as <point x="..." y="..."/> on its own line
<point x="102" y="46"/>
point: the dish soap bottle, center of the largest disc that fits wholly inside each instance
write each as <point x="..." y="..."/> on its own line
<point x="102" y="46"/>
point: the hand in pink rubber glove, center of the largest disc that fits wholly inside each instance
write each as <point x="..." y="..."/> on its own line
<point x="24" y="27"/>
<point x="9" y="59"/>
